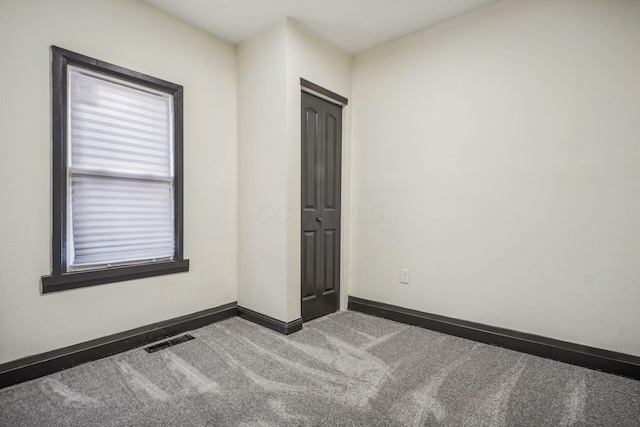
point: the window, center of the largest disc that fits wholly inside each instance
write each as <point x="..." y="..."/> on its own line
<point x="117" y="174"/>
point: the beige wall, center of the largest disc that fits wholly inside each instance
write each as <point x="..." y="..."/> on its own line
<point x="316" y="61"/>
<point x="270" y="66"/>
<point x="137" y="36"/>
<point x="262" y="173"/>
<point x="494" y="156"/>
<point x="502" y="150"/>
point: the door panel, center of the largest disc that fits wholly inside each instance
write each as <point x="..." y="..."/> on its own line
<point x="308" y="263"/>
<point x="312" y="135"/>
<point x="330" y="161"/>
<point x="321" y="178"/>
<point x="329" y="256"/>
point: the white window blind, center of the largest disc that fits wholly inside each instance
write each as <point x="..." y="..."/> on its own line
<point x="121" y="174"/>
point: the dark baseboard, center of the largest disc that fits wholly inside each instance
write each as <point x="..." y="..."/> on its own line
<point x="43" y="364"/>
<point x="285" y="328"/>
<point x="589" y="357"/>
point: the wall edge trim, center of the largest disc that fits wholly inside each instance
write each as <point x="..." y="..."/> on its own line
<point x="285" y="328"/>
<point x="608" y="361"/>
<point x="39" y="365"/>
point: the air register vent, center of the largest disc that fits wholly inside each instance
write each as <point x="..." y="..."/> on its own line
<point x="169" y="343"/>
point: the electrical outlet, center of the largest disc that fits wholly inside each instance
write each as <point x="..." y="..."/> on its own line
<point x="404" y="276"/>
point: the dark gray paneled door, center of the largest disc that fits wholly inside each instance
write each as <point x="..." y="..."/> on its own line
<point x="321" y="167"/>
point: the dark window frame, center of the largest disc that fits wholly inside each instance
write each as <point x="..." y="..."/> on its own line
<point x="61" y="279"/>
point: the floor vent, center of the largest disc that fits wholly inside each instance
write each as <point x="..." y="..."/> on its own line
<point x="169" y="343"/>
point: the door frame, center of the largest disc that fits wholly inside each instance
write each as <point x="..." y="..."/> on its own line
<point x="342" y="102"/>
<point x="323" y="93"/>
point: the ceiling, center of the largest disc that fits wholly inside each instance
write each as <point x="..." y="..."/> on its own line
<point x="352" y="25"/>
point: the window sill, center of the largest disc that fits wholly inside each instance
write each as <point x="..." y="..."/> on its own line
<point x="80" y="279"/>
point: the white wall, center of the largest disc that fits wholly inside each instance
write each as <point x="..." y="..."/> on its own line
<point x="262" y="172"/>
<point x="136" y="36"/>
<point x="495" y="156"/>
<point x="502" y="150"/>
<point x="316" y="61"/>
<point x="270" y="66"/>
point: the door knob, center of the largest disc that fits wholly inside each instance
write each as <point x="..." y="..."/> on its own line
<point x="319" y="219"/>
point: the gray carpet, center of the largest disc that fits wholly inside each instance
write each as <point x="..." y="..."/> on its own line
<point x="344" y="369"/>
